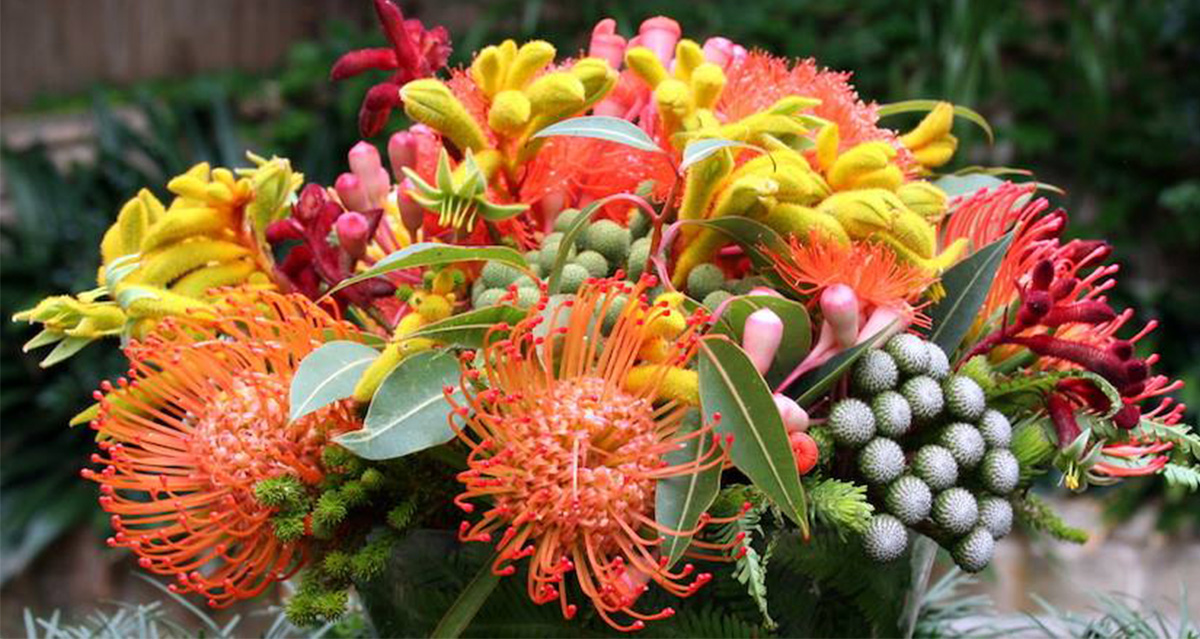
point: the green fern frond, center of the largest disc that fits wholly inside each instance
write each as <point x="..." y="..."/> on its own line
<point x="1036" y="514"/>
<point x="1179" y="475"/>
<point x="1179" y="434"/>
<point x="841" y="505"/>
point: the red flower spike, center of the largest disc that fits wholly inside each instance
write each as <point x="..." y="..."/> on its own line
<point x="415" y="53"/>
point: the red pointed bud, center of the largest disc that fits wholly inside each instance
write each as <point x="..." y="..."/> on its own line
<point x="804" y="447"/>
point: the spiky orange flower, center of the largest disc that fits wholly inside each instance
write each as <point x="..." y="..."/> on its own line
<point x="878" y="278"/>
<point x="566" y="450"/>
<point x="202" y="418"/>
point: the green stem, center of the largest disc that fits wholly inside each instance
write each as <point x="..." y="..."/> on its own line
<point x="472" y="598"/>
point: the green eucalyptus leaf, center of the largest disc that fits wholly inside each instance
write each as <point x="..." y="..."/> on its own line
<point x="956" y="185"/>
<point x="327" y="375"/>
<point x="581" y="221"/>
<point x="679" y="501"/>
<point x="602" y="127"/>
<point x="468" y="329"/>
<point x="797" y="329"/>
<point x="731" y="387"/>
<point x="433" y="253"/>
<point x="751" y="235"/>
<point x="967" y="284"/>
<point x="409" y="412"/>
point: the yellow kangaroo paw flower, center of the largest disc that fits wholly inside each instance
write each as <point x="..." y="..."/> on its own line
<point x="688" y="57"/>
<point x="800" y="221"/>
<point x="168" y="264"/>
<point x="488" y="70"/>
<point x="646" y="65"/>
<point x="936" y="153"/>
<point x="924" y="199"/>
<point x="933" y="126"/>
<point x="828" y="141"/>
<point x="199" y="281"/>
<point x="531" y="58"/>
<point x="184" y="223"/>
<point x="431" y="103"/>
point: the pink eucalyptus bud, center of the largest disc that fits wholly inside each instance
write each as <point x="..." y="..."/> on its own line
<point x="364" y="158"/>
<point x="879" y="320"/>
<point x="723" y="52"/>
<point x="840" y="307"/>
<point x="352" y="229"/>
<point x="761" y="337"/>
<point x="350" y="190"/>
<point x="411" y="213"/>
<point x="795" y="419"/>
<point x="607" y="44"/>
<point x="660" y="34"/>
<point x="376" y="185"/>
<point x="402" y="153"/>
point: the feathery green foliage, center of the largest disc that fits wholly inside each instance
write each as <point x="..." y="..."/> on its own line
<point x="1035" y="514"/>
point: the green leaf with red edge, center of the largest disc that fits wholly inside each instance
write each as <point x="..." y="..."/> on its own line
<point x="732" y="388"/>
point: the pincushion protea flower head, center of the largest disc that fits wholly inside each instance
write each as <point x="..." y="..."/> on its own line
<point x="201" y="420"/>
<point x="568" y="441"/>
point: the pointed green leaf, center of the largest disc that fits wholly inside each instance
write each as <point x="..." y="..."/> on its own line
<point x="813" y="385"/>
<point x="679" y="501"/>
<point x="581" y="221"/>
<point x="956" y="185"/>
<point x="409" y="411"/>
<point x="797" y="329"/>
<point x="64" y="350"/>
<point x="730" y="386"/>
<point x="432" y="253"/>
<point x="468" y="329"/>
<point x="751" y="235"/>
<point x="967" y="285"/>
<point x="701" y="150"/>
<point x="468" y="603"/>
<point x="602" y="127"/>
<point x="327" y="375"/>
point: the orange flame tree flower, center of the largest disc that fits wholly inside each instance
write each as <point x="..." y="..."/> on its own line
<point x="565" y="453"/>
<point x="202" y="418"/>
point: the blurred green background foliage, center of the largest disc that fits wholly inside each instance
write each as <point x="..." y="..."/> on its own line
<point x="1100" y="98"/>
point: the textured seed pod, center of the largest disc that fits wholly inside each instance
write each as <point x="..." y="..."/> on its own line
<point x="924" y="397"/>
<point x="939" y="364"/>
<point x="996" y="514"/>
<point x="955" y="510"/>
<point x="881" y="461"/>
<point x="974" y="552"/>
<point x="573" y="277"/>
<point x="893" y="417"/>
<point x="995" y="429"/>
<point x="497" y="275"/>
<point x="936" y="467"/>
<point x="565" y="219"/>
<point x="874" y="373"/>
<point x="639" y="252"/>
<point x="715" y="298"/>
<point x="964" y="398"/>
<point x="910" y="353"/>
<point x="704" y="279"/>
<point x="595" y="263"/>
<point x="909" y="499"/>
<point x="964" y="442"/>
<point x="608" y="239"/>
<point x="1000" y="471"/>
<point x="885" y="538"/>
<point x="851" y="422"/>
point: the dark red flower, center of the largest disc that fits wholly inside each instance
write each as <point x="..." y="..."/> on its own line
<point x="415" y="53"/>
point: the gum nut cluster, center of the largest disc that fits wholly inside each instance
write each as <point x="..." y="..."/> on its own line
<point x="599" y="249"/>
<point x="935" y="457"/>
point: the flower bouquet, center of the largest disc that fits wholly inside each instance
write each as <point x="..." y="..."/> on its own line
<point x="666" y="335"/>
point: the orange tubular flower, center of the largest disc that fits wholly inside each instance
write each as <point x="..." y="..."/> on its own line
<point x="202" y="419"/>
<point x="871" y="270"/>
<point x="566" y="452"/>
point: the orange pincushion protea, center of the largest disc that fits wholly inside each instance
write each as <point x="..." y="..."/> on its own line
<point x="567" y="454"/>
<point x="202" y="419"/>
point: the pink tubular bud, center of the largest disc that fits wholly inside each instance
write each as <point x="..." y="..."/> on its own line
<point x="795" y="419"/>
<point x="883" y="317"/>
<point x="761" y="337"/>
<point x="402" y="153"/>
<point x="411" y="213"/>
<point x="840" y="306"/>
<point x="607" y="44"/>
<point x="660" y="34"/>
<point x="376" y="185"/>
<point x="364" y="158"/>
<point x="352" y="229"/>
<point x="350" y="190"/>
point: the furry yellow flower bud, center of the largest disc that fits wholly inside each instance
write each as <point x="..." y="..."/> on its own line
<point x="597" y="77"/>
<point x="688" y="57"/>
<point x="431" y="103"/>
<point x="674" y="101"/>
<point x="488" y="69"/>
<point x="646" y="65"/>
<point x="924" y="199"/>
<point x="708" y="81"/>
<point x="801" y="221"/>
<point x="674" y="383"/>
<point x="531" y="58"/>
<point x="553" y="97"/>
<point x="509" y="113"/>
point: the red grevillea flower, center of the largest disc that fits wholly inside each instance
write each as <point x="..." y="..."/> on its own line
<point x="414" y="53"/>
<point x="202" y="418"/>
<point x="565" y="454"/>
